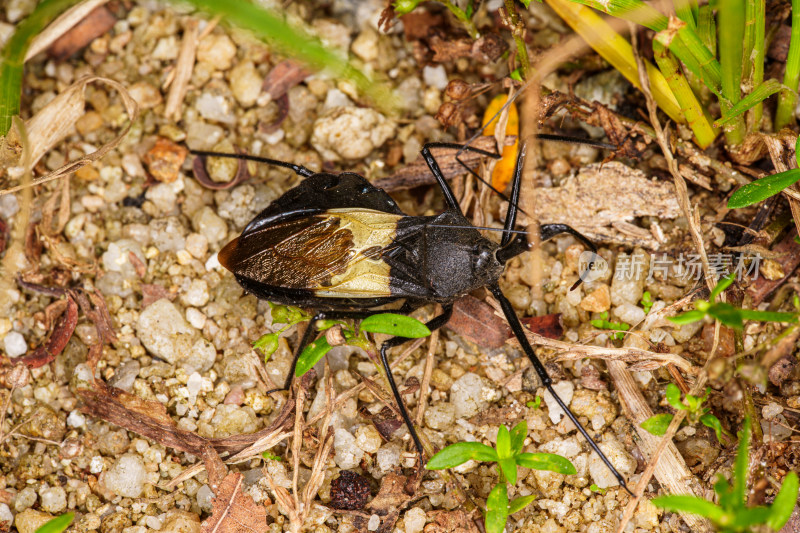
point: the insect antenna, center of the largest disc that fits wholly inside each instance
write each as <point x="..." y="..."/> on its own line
<point x="300" y="170"/>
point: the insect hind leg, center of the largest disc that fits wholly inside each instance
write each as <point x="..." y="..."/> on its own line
<point x="547" y="381"/>
<point x="435" y="323"/>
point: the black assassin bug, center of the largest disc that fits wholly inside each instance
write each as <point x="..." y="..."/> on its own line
<point x="339" y="245"/>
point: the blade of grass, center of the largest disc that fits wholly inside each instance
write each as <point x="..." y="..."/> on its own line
<point x="707" y="28"/>
<point x="689" y="49"/>
<point x="12" y="60"/>
<point x="731" y="16"/>
<point x="754" y="56"/>
<point x="297" y="43"/>
<point x="616" y="50"/>
<point x="758" y="95"/>
<point x="784" y="115"/>
<point x="686" y="12"/>
<point x="696" y="115"/>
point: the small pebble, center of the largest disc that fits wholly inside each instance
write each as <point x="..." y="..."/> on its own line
<point x="435" y="76"/>
<point x="771" y="410"/>
<point x="616" y="453"/>
<point x="347" y="453"/>
<point x="414" y="520"/>
<point x="127" y="476"/>
<point x="210" y="225"/>
<point x="368" y="438"/>
<point x="350" y="132"/>
<point x="217" y="50"/>
<point x="245" y="83"/>
<point x="163" y="331"/>
<point x="164" y="160"/>
<point x="598" y="300"/>
<point x="179" y="521"/>
<point x="29" y="520"/>
<point x="467" y="395"/>
<point x="374" y="523"/>
<point x="53" y="499"/>
<point x="565" y="390"/>
<point x="14" y="344"/>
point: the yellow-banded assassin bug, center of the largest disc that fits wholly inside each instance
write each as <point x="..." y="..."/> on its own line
<point x="338" y="245"/>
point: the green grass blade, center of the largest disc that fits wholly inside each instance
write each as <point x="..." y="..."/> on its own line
<point x="57" y="524"/>
<point x="686" y="12"/>
<point x="707" y="28"/>
<point x="696" y="116"/>
<point x="633" y="10"/>
<point x="297" y="43"/>
<point x="615" y="49"/>
<point x="689" y="504"/>
<point x="741" y="465"/>
<point x="753" y="58"/>
<point x="758" y="95"/>
<point x="503" y="443"/>
<point x="687" y="318"/>
<point x="518" y="434"/>
<point x="784" y="115"/>
<point x="509" y="468"/>
<point x="731" y="17"/>
<point x="768" y="316"/>
<point x="763" y="188"/>
<point x="720" y="287"/>
<point x="12" y="60"/>
<point x="783" y="505"/>
<point x="394" y="324"/>
<point x="459" y="453"/>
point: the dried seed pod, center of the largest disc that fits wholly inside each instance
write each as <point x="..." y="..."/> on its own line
<point x="458" y="89"/>
<point x="334" y="335"/>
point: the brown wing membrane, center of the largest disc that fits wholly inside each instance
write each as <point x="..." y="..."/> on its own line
<point x="297" y="254"/>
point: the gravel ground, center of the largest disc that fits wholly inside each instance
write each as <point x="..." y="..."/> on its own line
<point x="144" y="233"/>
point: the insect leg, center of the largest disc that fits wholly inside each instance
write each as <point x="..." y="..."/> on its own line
<point x="519" y="333"/>
<point x="548" y="231"/>
<point x="449" y="198"/>
<point x="433" y="324"/>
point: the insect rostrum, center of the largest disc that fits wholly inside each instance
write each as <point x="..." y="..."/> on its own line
<point x="338" y="245"/>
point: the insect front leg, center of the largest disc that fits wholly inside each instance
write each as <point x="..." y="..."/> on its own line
<point x="519" y="333"/>
<point x="433" y="324"/>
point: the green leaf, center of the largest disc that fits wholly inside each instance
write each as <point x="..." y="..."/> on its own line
<point x="768" y="316"/>
<point x="741" y="465"/>
<point x="689" y="504"/>
<point x="692" y="403"/>
<point x="327" y="323"/>
<point x="763" y="188"/>
<point x="267" y="344"/>
<point x="720" y="287"/>
<point x="646" y="302"/>
<point x="687" y="318"/>
<point x="270" y="456"/>
<point x="394" y="324"/>
<point x="526" y="3"/>
<point x="497" y="509"/>
<point x="57" y="524"/>
<point x="404" y="7"/>
<point x="713" y="422"/>
<point x="520" y="503"/>
<point x="311" y="355"/>
<point x="509" y="468"/>
<point x="503" y="443"/>
<point x="657" y="424"/>
<point x="781" y="509"/>
<point x="546" y="461"/>
<point x="594" y="488"/>
<point x="727" y="314"/>
<point x="673" y="394"/>
<point x="536" y="403"/>
<point x="518" y="435"/>
<point x="459" y="453"/>
<point x="756" y="96"/>
<point x="749" y="516"/>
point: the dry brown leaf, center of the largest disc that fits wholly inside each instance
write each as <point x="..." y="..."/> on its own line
<point x="58" y="339"/>
<point x="62" y="25"/>
<point x="54" y="122"/>
<point x="233" y="511"/>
